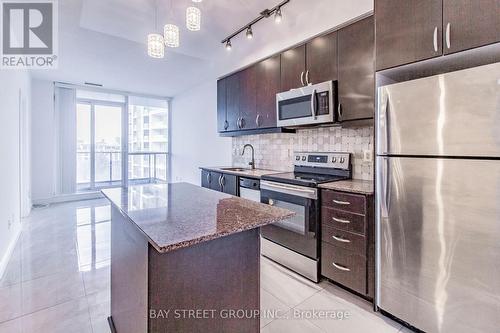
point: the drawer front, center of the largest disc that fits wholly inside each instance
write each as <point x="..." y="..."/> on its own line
<point x="350" y="269"/>
<point x="343" y="220"/>
<point x="344" y="239"/>
<point x="348" y="202"/>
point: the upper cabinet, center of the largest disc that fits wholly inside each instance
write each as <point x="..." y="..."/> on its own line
<point x="356" y="71"/>
<point x="413" y="30"/>
<point x="321" y="59"/>
<point x="268" y="85"/>
<point x="233" y="101"/>
<point x="293" y="68"/>
<point x="470" y="23"/>
<point x="222" y="124"/>
<point x="407" y="31"/>
<point x="247" y="99"/>
<point x="311" y="63"/>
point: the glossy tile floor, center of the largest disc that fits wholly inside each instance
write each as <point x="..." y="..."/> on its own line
<point x="58" y="280"/>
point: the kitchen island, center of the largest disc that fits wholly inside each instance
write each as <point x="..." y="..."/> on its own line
<point x="185" y="259"/>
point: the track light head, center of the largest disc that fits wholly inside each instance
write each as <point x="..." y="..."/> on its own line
<point x="228" y="45"/>
<point x="249" y="32"/>
<point x="278" y="16"/>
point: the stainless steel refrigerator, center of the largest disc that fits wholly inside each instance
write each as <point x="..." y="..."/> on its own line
<point x="438" y="201"/>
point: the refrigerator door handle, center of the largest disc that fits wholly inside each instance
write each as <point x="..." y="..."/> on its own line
<point x="383" y="122"/>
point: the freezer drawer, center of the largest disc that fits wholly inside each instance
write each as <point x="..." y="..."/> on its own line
<point x="453" y="114"/>
<point x="439" y="238"/>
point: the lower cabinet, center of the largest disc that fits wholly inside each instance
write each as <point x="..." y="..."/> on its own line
<point x="220" y="182"/>
<point x="347" y="241"/>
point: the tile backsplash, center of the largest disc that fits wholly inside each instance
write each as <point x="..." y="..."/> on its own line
<point x="275" y="151"/>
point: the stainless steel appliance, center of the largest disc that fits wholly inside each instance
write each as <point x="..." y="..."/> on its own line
<point x="295" y="242"/>
<point x="310" y="105"/>
<point x="250" y="189"/>
<point x="438" y="201"/>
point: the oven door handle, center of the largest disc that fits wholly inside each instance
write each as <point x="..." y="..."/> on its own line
<point x="289" y="189"/>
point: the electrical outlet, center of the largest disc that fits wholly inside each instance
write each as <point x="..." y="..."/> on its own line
<point x="367" y="156"/>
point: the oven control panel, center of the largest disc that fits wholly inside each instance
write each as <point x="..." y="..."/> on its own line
<point x="323" y="160"/>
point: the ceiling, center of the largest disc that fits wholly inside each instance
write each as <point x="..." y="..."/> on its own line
<point x="103" y="41"/>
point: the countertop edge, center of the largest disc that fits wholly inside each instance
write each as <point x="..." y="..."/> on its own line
<point x="238" y="173"/>
<point x="338" y="187"/>
<point x="194" y="241"/>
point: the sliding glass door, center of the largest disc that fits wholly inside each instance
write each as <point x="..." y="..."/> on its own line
<point x="99" y="144"/>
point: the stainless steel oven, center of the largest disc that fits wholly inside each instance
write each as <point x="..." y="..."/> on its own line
<point x="314" y="104"/>
<point x="294" y="241"/>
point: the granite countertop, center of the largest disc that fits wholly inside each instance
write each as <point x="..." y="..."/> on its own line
<point x="174" y="216"/>
<point x="255" y="173"/>
<point x="351" y="185"/>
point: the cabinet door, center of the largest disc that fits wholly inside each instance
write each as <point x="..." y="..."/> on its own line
<point x="247" y="98"/>
<point x="205" y="178"/>
<point x="233" y="101"/>
<point x="470" y="23"/>
<point x="222" y="123"/>
<point x="230" y="184"/>
<point x="268" y="85"/>
<point x="321" y="59"/>
<point x="293" y="67"/>
<point x="215" y="181"/>
<point x="407" y="31"/>
<point x="356" y="84"/>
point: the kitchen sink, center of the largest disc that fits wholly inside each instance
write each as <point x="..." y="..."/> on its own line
<point x="237" y="169"/>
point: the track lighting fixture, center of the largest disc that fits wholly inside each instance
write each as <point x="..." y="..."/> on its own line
<point x="278" y="17"/>
<point x="249" y="32"/>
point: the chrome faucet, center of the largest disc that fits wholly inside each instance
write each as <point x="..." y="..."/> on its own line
<point x="252" y="164"/>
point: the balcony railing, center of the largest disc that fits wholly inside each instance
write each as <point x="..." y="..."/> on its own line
<point x="108" y="169"/>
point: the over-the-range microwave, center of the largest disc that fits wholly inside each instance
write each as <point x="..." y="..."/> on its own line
<point x="310" y="105"/>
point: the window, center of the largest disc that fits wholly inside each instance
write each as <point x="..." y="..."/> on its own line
<point x="100" y="158"/>
<point x="148" y="139"/>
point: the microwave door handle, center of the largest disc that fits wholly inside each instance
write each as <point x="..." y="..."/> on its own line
<point x="313" y="103"/>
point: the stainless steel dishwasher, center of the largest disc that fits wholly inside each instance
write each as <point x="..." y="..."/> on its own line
<point x="250" y="189"/>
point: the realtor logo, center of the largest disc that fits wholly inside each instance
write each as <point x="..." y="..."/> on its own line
<point x="29" y="31"/>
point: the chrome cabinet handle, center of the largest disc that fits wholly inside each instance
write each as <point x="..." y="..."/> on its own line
<point x="220" y="181"/>
<point x="339" y="109"/>
<point x="345" y="203"/>
<point x="435" y="39"/>
<point x="341" y="220"/>
<point x="307" y="78"/>
<point x="223" y="180"/>
<point x="226" y="124"/>
<point x="208" y="177"/>
<point x="340" y="239"/>
<point x="302" y="78"/>
<point x="340" y="267"/>
<point x="257" y="120"/>
<point x="271" y="202"/>
<point x="448" y="32"/>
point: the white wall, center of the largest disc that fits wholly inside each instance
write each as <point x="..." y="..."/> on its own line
<point x="43" y="140"/>
<point x="194" y="136"/>
<point x="14" y="106"/>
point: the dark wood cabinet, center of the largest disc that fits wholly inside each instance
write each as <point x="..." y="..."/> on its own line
<point x="470" y="23"/>
<point x="233" y="101"/>
<point x="348" y="240"/>
<point x="268" y="85"/>
<point x="219" y="182"/>
<point x="407" y="31"/>
<point x="222" y="123"/>
<point x="356" y="71"/>
<point x="321" y="59"/>
<point x="293" y="68"/>
<point x="247" y="98"/>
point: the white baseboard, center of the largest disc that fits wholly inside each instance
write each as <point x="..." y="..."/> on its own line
<point x="4" y="261"/>
<point x="68" y="198"/>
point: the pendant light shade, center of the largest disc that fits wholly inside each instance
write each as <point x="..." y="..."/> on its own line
<point x="193" y="19"/>
<point x="171" y="35"/>
<point x="156" y="46"/>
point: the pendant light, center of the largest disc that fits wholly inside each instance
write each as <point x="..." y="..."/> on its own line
<point x="171" y="32"/>
<point x="193" y="19"/>
<point x="156" y="46"/>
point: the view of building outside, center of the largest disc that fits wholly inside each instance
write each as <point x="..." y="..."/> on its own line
<point x="148" y="139"/>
